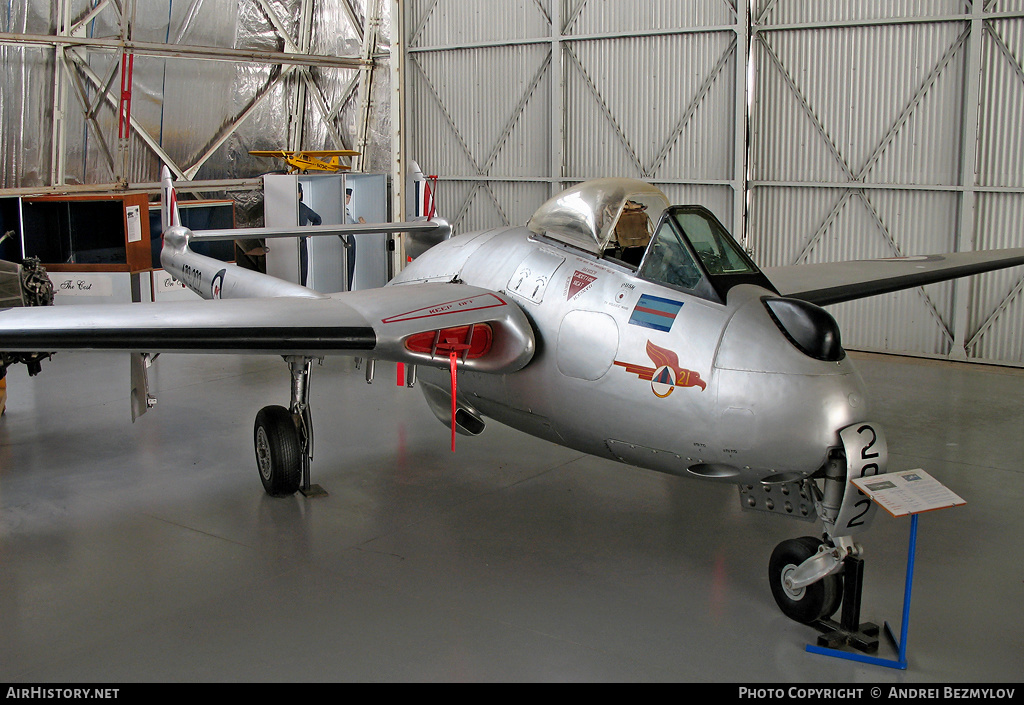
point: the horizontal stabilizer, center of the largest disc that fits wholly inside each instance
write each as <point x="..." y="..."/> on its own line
<point x="418" y="226"/>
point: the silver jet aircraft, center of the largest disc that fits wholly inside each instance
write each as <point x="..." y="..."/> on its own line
<point x="609" y="298"/>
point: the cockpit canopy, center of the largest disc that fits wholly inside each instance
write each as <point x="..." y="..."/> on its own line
<point x="631" y="222"/>
<point x="601" y="214"/>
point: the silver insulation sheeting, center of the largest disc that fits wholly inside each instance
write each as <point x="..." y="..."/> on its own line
<point x="196" y="110"/>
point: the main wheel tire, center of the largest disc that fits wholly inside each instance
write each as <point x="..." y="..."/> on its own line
<point x="812" y="602"/>
<point x="278" y="451"/>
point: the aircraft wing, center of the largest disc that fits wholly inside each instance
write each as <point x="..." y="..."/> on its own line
<point x="328" y="153"/>
<point x="835" y="282"/>
<point x="309" y="153"/>
<point x="415" y="323"/>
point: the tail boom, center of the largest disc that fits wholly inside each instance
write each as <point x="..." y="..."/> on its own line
<point x="213" y="279"/>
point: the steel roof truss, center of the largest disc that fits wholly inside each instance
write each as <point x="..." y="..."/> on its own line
<point x="89" y="109"/>
<point x="137" y="128"/>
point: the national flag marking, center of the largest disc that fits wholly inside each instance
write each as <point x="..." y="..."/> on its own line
<point x="655" y="312"/>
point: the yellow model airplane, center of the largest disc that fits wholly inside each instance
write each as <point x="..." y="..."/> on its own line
<point x="303" y="162"/>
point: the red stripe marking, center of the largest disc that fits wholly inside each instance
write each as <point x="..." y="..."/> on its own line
<point x="432" y="312"/>
<point x="655" y="311"/>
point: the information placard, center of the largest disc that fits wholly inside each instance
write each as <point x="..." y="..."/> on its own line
<point x="907" y="492"/>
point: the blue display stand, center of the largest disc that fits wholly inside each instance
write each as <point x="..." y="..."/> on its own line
<point x="908" y="492"/>
<point x="901" y="643"/>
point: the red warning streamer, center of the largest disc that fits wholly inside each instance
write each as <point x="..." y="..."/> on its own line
<point x="453" y="358"/>
<point x="429" y="197"/>
<point x="454" y="349"/>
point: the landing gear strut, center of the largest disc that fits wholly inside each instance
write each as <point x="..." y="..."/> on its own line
<point x="809" y="578"/>
<point x="283" y="438"/>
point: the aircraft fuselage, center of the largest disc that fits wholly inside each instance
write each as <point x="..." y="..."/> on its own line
<point x="646" y="374"/>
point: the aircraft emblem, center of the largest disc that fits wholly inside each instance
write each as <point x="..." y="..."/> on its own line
<point x="666" y="374"/>
<point x="217" y="286"/>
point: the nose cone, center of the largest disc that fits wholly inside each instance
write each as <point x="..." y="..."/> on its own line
<point x="785" y="387"/>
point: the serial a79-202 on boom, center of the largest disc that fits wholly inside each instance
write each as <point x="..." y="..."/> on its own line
<point x="608" y="298"/>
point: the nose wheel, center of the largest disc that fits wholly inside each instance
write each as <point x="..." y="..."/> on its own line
<point x="809" y="603"/>
<point x="283" y="439"/>
<point x="815" y="603"/>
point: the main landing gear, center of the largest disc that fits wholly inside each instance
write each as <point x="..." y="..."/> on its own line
<point x="284" y="438"/>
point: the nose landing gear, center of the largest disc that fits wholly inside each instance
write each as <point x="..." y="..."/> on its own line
<point x="814" y="604"/>
<point x="809" y="577"/>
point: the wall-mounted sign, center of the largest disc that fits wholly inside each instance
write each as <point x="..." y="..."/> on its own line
<point x="81" y="284"/>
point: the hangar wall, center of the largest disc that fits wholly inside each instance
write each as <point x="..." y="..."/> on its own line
<point x="891" y="128"/>
<point x="873" y="129"/>
<point x="510" y="101"/>
<point x="865" y="129"/>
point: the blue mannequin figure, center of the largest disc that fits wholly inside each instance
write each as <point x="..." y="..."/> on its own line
<point x="307" y="216"/>
<point x="350" y="241"/>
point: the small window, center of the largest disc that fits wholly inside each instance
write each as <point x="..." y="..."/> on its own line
<point x="669" y="261"/>
<point x="717" y="251"/>
<point x="692" y="251"/>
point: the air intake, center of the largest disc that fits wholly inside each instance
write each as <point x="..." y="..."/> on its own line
<point x="810" y="328"/>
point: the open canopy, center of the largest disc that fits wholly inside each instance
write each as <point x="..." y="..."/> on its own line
<point x="588" y="214"/>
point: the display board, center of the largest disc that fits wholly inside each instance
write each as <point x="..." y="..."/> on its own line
<point x="908" y="492"/>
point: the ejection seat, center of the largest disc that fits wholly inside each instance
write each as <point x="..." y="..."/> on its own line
<point x="633" y="232"/>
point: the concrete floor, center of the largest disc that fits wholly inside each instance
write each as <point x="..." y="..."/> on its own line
<point x="149" y="552"/>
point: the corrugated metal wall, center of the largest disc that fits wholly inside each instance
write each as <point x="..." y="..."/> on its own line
<point x="874" y="128"/>
<point x="510" y="101"/>
<point x="996" y="315"/>
<point x="890" y="128"/>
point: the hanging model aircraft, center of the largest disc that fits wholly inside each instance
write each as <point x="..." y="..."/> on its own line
<point x="309" y="160"/>
<point x="614" y="323"/>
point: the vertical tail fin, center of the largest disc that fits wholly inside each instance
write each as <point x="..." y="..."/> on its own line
<point x="423" y="190"/>
<point x="168" y="201"/>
